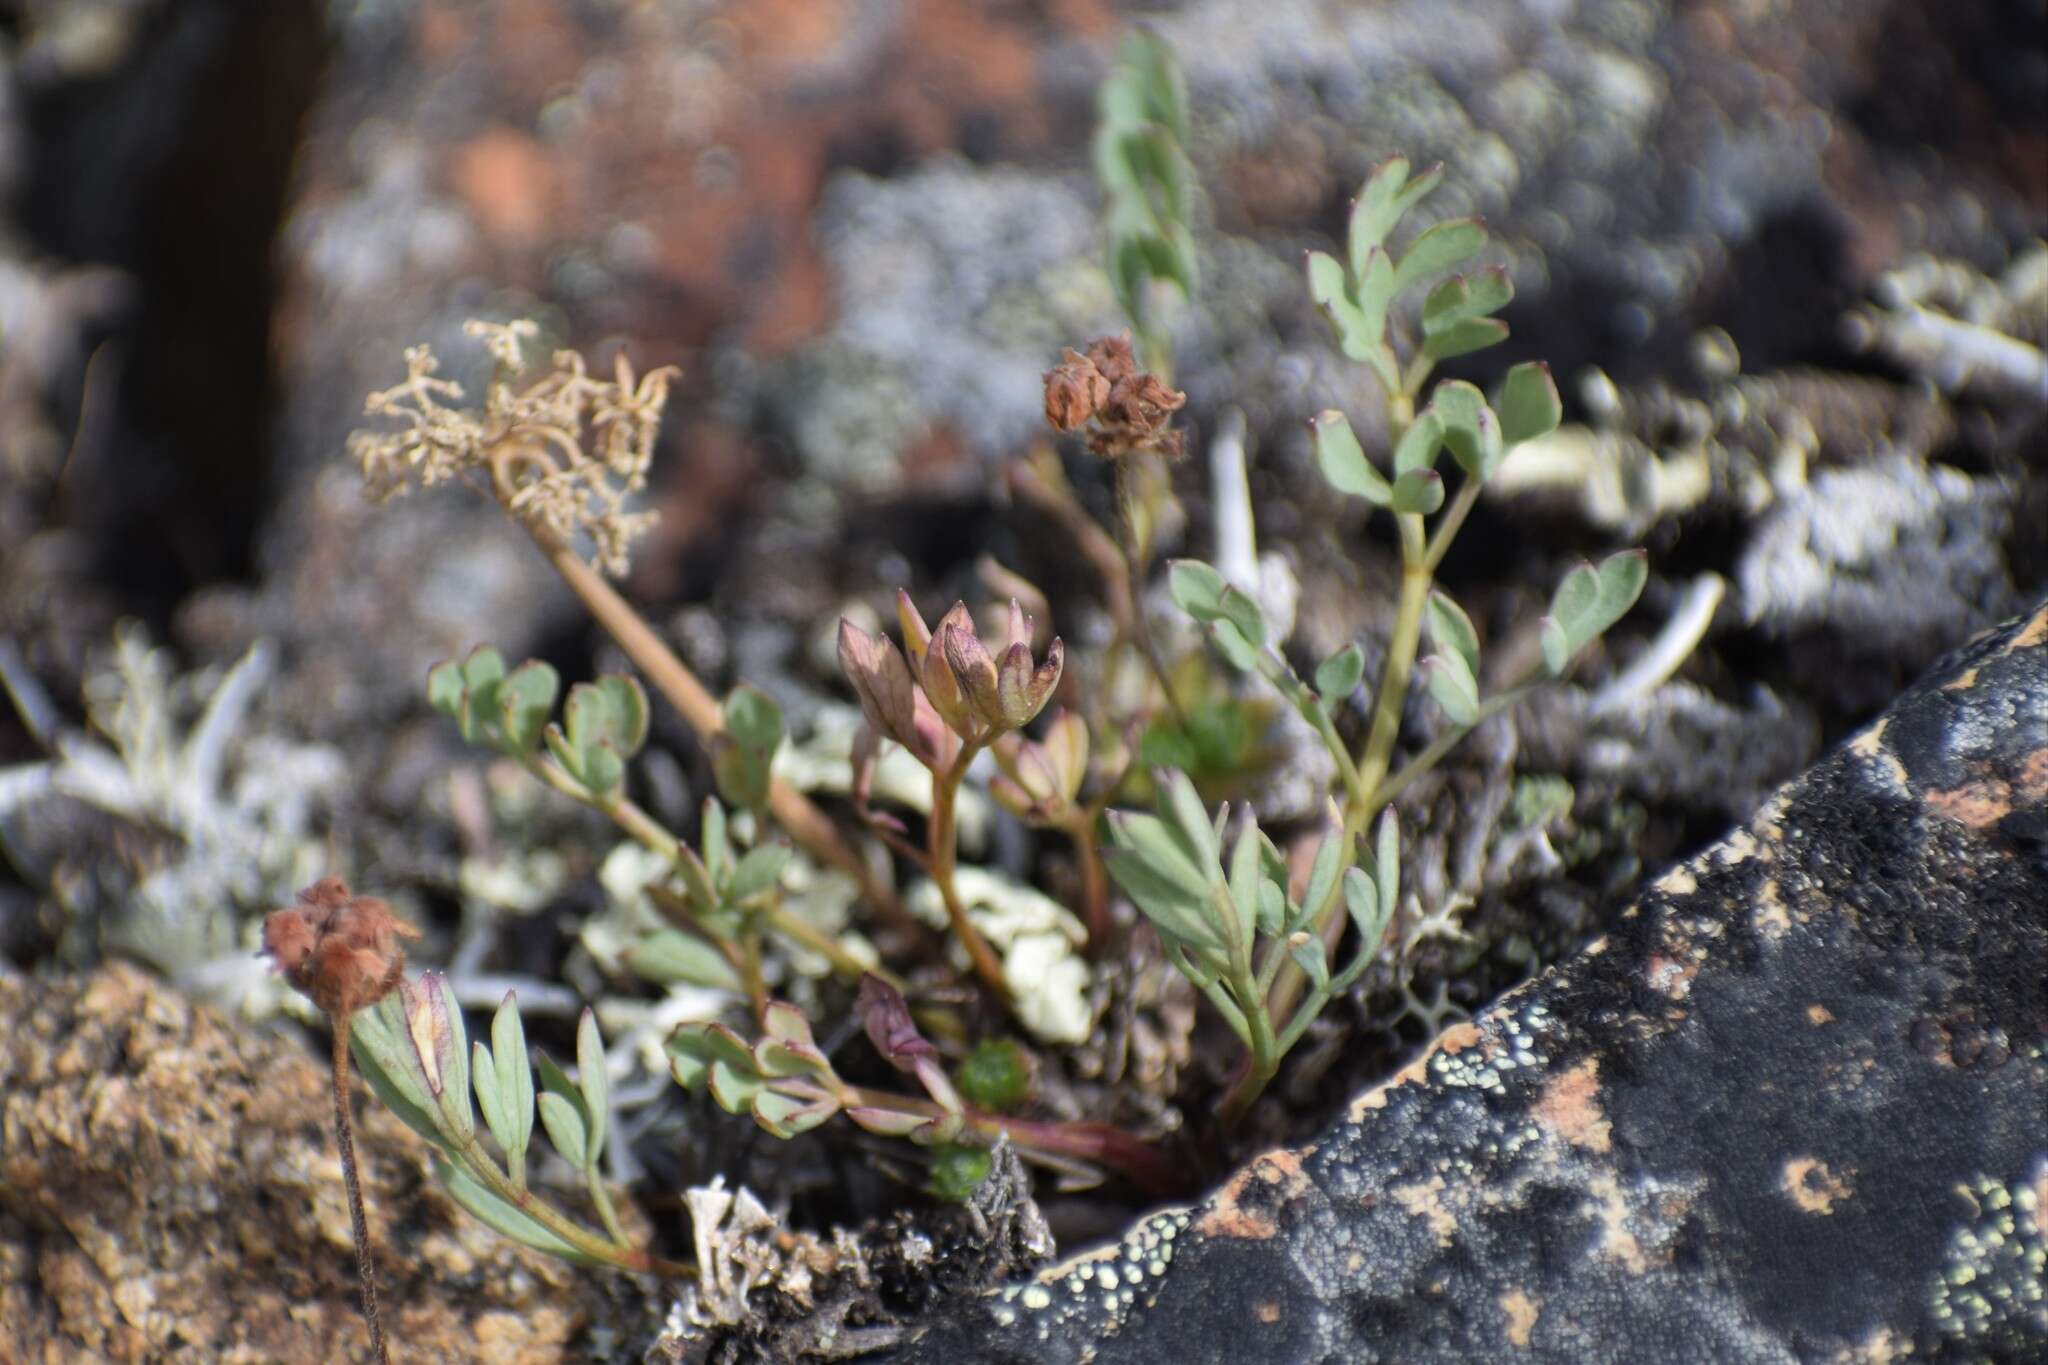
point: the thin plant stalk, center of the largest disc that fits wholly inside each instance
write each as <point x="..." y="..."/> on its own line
<point x="942" y="858"/>
<point x="359" y="1223"/>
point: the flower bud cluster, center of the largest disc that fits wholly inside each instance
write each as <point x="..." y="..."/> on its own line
<point x="953" y="689"/>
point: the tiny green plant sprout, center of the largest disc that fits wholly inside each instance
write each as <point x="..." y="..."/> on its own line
<point x="1213" y="912"/>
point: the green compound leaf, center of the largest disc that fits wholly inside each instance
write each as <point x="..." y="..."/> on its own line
<point x="1377" y="286"/>
<point x="1196" y="588"/>
<point x="605" y="723"/>
<point x="1465" y="297"/>
<point x="525" y="699"/>
<point x="564" y="1113"/>
<point x="1471" y="429"/>
<point x="670" y="957"/>
<point x="1342" y="460"/>
<point x="757" y="872"/>
<point x="1589" y="601"/>
<point x="1449" y="681"/>
<point x="1230" y="642"/>
<point x="785" y="1116"/>
<point x="1338" y="676"/>
<point x="1241" y="611"/>
<point x="1529" y="405"/>
<point x="565" y="1129"/>
<point x="1307" y="951"/>
<point x="506" y="1218"/>
<point x="1368" y="911"/>
<point x="1417" y="491"/>
<point x="1386" y="198"/>
<point x="1463" y="338"/>
<point x="1446" y="246"/>
<point x="1451" y="628"/>
<point x="743" y="754"/>
<point x="1420" y="443"/>
<point x="515" y="1079"/>
<point x="593" y="1080"/>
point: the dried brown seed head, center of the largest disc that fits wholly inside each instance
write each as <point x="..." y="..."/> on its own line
<point x="337" y="949"/>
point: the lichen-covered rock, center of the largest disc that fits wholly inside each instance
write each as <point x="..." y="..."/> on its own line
<point x="170" y="1191"/>
<point x="1790" y="1108"/>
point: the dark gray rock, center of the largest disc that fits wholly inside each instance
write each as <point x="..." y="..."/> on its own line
<point x="1791" y="1108"/>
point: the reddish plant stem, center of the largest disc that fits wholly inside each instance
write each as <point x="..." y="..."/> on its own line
<point x="359" y="1223"/>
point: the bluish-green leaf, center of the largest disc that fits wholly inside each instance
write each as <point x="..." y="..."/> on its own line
<point x="1241" y="611"/>
<point x="524" y="701"/>
<point x="515" y="1076"/>
<point x="565" y="1129"/>
<point x="1589" y="601"/>
<point x="670" y="957"/>
<point x="592" y="1079"/>
<point x="1529" y="405"/>
<point x="1417" y="491"/>
<point x="1419" y="443"/>
<point x="1471" y="429"/>
<point x="1338" y="676"/>
<point x="506" y="1218"/>
<point x="1343" y="462"/>
<point x="1445" y="246"/>
<point x="1245" y="882"/>
<point x="785" y="1117"/>
<point x="758" y="871"/>
<point x="1307" y="951"/>
<point x="1449" y="681"/>
<point x="1463" y="297"/>
<point x="1463" y="338"/>
<point x="1196" y="588"/>
<point x="1231" y="644"/>
<point x="1451" y="628"/>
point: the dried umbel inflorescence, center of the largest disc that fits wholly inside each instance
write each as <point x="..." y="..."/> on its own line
<point x="1124" y="408"/>
<point x="563" y="450"/>
<point x="340" y="950"/>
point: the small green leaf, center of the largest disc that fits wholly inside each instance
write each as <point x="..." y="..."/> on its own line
<point x="744" y="753"/>
<point x="1244" y="883"/>
<point x="1179" y="800"/>
<point x="775" y="1059"/>
<point x="1196" y="588"/>
<point x="752" y="718"/>
<point x="1379" y="207"/>
<point x="481" y="673"/>
<point x="757" y="872"/>
<point x="1241" y="611"/>
<point x="1178" y="914"/>
<point x="1377" y="287"/>
<point x="1231" y="644"/>
<point x="785" y="1116"/>
<point x="1338" y="676"/>
<point x="888" y="1122"/>
<point x="1367" y="910"/>
<point x="1589" y="601"/>
<point x="1155" y="845"/>
<point x="385" y="1056"/>
<point x="444" y="688"/>
<point x="592" y="1079"/>
<point x="483" y="1073"/>
<point x="1343" y="462"/>
<point x="1307" y="951"/>
<point x="1326" y="282"/>
<point x="506" y="1218"/>
<point x="1272" y="908"/>
<point x="1322" y="874"/>
<point x="1450" y="683"/>
<point x="669" y="957"/>
<point x="734" y="1087"/>
<point x="525" y="699"/>
<point x="1452" y="629"/>
<point x="717" y="846"/>
<point x="1420" y="443"/>
<point x="784" y="1021"/>
<point x="1463" y="338"/>
<point x="1419" y="490"/>
<point x="515" y="1079"/>
<point x="1470" y="428"/>
<point x="1529" y="405"/>
<point x="1443" y="247"/>
<point x="1463" y="297"/>
<point x="565" y="1129"/>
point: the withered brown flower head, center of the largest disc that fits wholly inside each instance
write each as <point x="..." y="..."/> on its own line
<point x="1124" y="408"/>
<point x="338" y="949"/>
